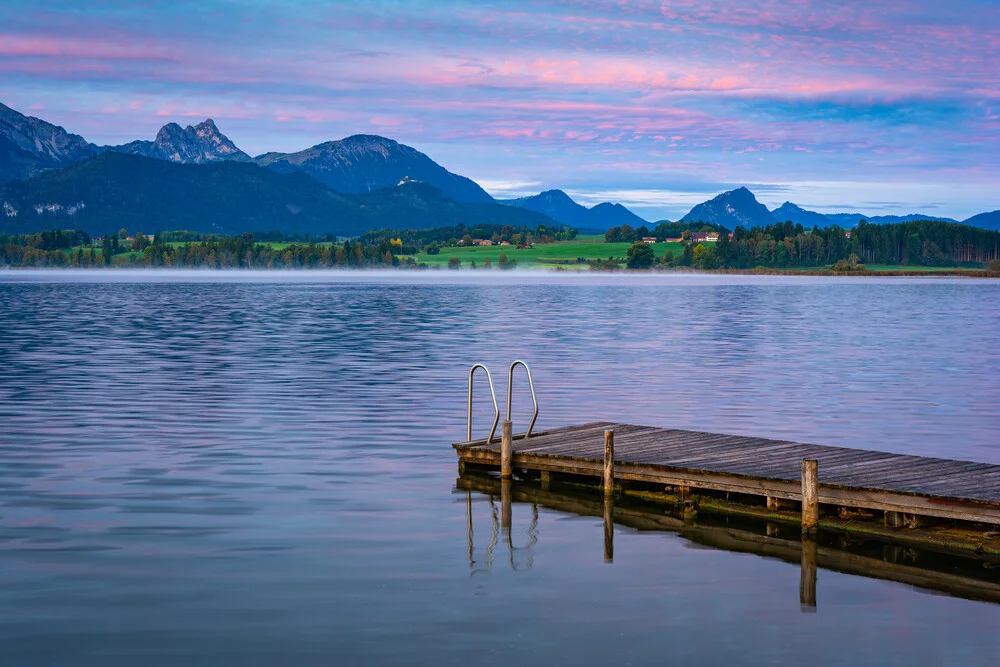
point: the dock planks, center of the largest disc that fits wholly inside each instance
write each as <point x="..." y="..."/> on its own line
<point x="758" y="466"/>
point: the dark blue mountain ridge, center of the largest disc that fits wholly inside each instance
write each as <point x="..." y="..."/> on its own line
<point x="789" y="212"/>
<point x="562" y="208"/>
<point x="365" y="162"/>
<point x="113" y="190"/>
<point x="989" y="220"/>
<point x="730" y="209"/>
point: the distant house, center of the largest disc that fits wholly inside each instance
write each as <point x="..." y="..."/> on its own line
<point x="676" y="240"/>
<point x="481" y="242"/>
<point x="847" y="233"/>
<point x="505" y="243"/>
<point x="649" y="239"/>
<point x="705" y="237"/>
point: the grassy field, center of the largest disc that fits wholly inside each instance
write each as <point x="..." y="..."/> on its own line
<point x="564" y="253"/>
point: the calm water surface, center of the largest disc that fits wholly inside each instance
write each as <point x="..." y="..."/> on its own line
<point x="228" y="470"/>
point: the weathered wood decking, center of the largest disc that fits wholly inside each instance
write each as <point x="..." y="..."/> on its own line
<point x="855" y="478"/>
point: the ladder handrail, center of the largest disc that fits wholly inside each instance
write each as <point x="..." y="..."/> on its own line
<point x="510" y="394"/>
<point x="496" y="407"/>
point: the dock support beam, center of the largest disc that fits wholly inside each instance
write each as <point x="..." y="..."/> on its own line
<point x="506" y="450"/>
<point x="546" y="479"/>
<point x="810" y="497"/>
<point x="609" y="463"/>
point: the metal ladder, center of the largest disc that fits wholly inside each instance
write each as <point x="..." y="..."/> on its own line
<point x="510" y="396"/>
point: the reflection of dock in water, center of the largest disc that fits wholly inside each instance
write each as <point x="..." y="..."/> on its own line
<point x="961" y="575"/>
<point x="500" y="533"/>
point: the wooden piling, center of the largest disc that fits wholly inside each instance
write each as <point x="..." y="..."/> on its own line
<point x="506" y="450"/>
<point x="807" y="578"/>
<point x="609" y="463"/>
<point x="546" y="479"/>
<point x="894" y="519"/>
<point x="810" y="496"/>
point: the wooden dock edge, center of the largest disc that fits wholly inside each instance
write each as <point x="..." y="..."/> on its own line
<point x="779" y="490"/>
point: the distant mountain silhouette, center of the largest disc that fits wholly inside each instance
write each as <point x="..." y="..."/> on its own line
<point x="851" y="219"/>
<point x="114" y="190"/>
<point x="789" y="212"/>
<point x="562" y="208"/>
<point x="731" y="209"/>
<point x="989" y="220"/>
<point x="190" y="145"/>
<point x="29" y="146"/>
<point x="364" y="163"/>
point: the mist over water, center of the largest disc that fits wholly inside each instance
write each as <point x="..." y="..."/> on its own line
<point x="238" y="468"/>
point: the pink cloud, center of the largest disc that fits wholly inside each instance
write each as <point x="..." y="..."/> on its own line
<point x="51" y="46"/>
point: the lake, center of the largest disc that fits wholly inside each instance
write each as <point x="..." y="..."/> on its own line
<point x="232" y="469"/>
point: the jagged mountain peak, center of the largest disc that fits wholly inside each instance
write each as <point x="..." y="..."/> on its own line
<point x="190" y="145"/>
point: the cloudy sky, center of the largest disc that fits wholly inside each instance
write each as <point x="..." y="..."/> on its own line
<point x="882" y="106"/>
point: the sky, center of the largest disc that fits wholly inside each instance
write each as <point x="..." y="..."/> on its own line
<point x="877" y="106"/>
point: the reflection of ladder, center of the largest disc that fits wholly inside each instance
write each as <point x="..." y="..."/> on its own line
<point x="496" y="407"/>
<point x="525" y="554"/>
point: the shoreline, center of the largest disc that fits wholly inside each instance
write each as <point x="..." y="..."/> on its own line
<point x="532" y="270"/>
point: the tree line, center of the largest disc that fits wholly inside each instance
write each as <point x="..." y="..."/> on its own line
<point x="443" y="237"/>
<point x="781" y="245"/>
<point x="917" y="243"/>
<point x="64" y="249"/>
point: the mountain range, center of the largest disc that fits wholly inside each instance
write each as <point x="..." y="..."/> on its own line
<point x="740" y="207"/>
<point x="346" y="186"/>
<point x="789" y="212"/>
<point x="116" y="190"/>
<point x="560" y="207"/>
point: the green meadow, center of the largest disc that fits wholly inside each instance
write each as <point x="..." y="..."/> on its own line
<point x="564" y="253"/>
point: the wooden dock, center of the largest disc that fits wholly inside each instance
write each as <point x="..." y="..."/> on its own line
<point x="903" y="487"/>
